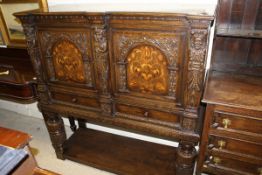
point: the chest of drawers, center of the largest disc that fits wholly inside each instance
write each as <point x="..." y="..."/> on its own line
<point x="136" y="71"/>
<point x="231" y="142"/>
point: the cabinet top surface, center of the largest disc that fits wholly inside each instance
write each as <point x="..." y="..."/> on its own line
<point x="200" y="7"/>
<point x="234" y="90"/>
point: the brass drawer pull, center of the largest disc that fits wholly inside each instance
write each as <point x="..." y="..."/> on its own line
<point x="4" y="73"/>
<point x="226" y="122"/>
<point x="221" y="144"/>
<point x="216" y="160"/>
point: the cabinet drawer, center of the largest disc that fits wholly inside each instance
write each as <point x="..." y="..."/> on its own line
<point x="238" y="122"/>
<point x="235" y="145"/>
<point x="149" y="115"/>
<point x="75" y="99"/>
<point x="226" y="164"/>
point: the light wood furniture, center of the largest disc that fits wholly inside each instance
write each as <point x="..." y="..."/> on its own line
<point x="20" y="140"/>
<point x="142" y="72"/>
<point x="231" y="140"/>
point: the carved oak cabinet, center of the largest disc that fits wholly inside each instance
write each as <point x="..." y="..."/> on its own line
<point x="141" y="72"/>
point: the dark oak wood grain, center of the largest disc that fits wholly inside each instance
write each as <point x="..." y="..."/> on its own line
<point x="231" y="141"/>
<point x="118" y="154"/>
<point x="140" y="72"/>
<point x="17" y="78"/>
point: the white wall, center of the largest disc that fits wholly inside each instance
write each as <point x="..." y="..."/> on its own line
<point x="189" y="6"/>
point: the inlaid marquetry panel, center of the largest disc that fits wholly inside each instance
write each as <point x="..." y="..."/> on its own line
<point x="67" y="56"/>
<point x="68" y="62"/>
<point x="148" y="62"/>
<point x="147" y="70"/>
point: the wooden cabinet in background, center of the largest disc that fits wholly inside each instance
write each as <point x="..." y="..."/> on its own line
<point x="142" y="72"/>
<point x="231" y="141"/>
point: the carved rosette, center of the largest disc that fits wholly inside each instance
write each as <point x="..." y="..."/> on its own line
<point x="166" y="45"/>
<point x="101" y="55"/>
<point x="74" y="48"/>
<point x="196" y="66"/>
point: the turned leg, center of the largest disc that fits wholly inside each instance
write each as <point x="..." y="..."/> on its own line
<point x="186" y="155"/>
<point x="72" y="123"/>
<point x="56" y="129"/>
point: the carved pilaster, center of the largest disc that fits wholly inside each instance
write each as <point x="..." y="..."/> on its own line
<point x="196" y="67"/>
<point x="101" y="58"/>
<point x="189" y="121"/>
<point x="56" y="129"/>
<point x="33" y="50"/>
<point x="186" y="155"/>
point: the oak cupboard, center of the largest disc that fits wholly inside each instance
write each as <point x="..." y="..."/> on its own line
<point x="141" y="72"/>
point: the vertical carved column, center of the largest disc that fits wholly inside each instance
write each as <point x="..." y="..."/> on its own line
<point x="101" y="56"/>
<point x="196" y="63"/>
<point x="56" y="129"/>
<point x="186" y="155"/>
<point x="33" y="50"/>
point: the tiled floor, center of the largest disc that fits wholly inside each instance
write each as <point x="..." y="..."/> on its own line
<point x="40" y="143"/>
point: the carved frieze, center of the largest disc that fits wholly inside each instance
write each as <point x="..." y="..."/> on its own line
<point x="196" y="66"/>
<point x="147" y="70"/>
<point x="158" y="45"/>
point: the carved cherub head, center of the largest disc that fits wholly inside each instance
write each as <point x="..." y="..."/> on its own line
<point x="198" y="38"/>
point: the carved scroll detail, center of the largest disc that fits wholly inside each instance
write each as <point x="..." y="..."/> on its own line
<point x="33" y="51"/>
<point x="68" y="62"/>
<point x="168" y="47"/>
<point x="101" y="54"/>
<point x="30" y="33"/>
<point x="147" y="70"/>
<point x="196" y="66"/>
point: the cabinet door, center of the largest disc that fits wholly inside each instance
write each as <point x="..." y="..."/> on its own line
<point x="147" y="69"/>
<point x="68" y="65"/>
<point x="66" y="56"/>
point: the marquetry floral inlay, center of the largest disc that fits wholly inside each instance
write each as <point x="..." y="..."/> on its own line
<point x="147" y="70"/>
<point x="68" y="62"/>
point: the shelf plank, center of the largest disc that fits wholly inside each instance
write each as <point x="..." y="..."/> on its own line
<point x="120" y="154"/>
<point x="234" y="90"/>
<point x="239" y="33"/>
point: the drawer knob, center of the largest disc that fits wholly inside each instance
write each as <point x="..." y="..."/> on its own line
<point x="74" y="100"/>
<point x="146" y="114"/>
<point x="259" y="171"/>
<point x="216" y="160"/>
<point x="226" y="122"/>
<point x="221" y="144"/>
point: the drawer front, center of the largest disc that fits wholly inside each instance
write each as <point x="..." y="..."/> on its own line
<point x="237" y="122"/>
<point x="232" y="165"/>
<point x="148" y="63"/>
<point x="235" y="145"/>
<point x="75" y="100"/>
<point x="67" y="56"/>
<point x="153" y="116"/>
